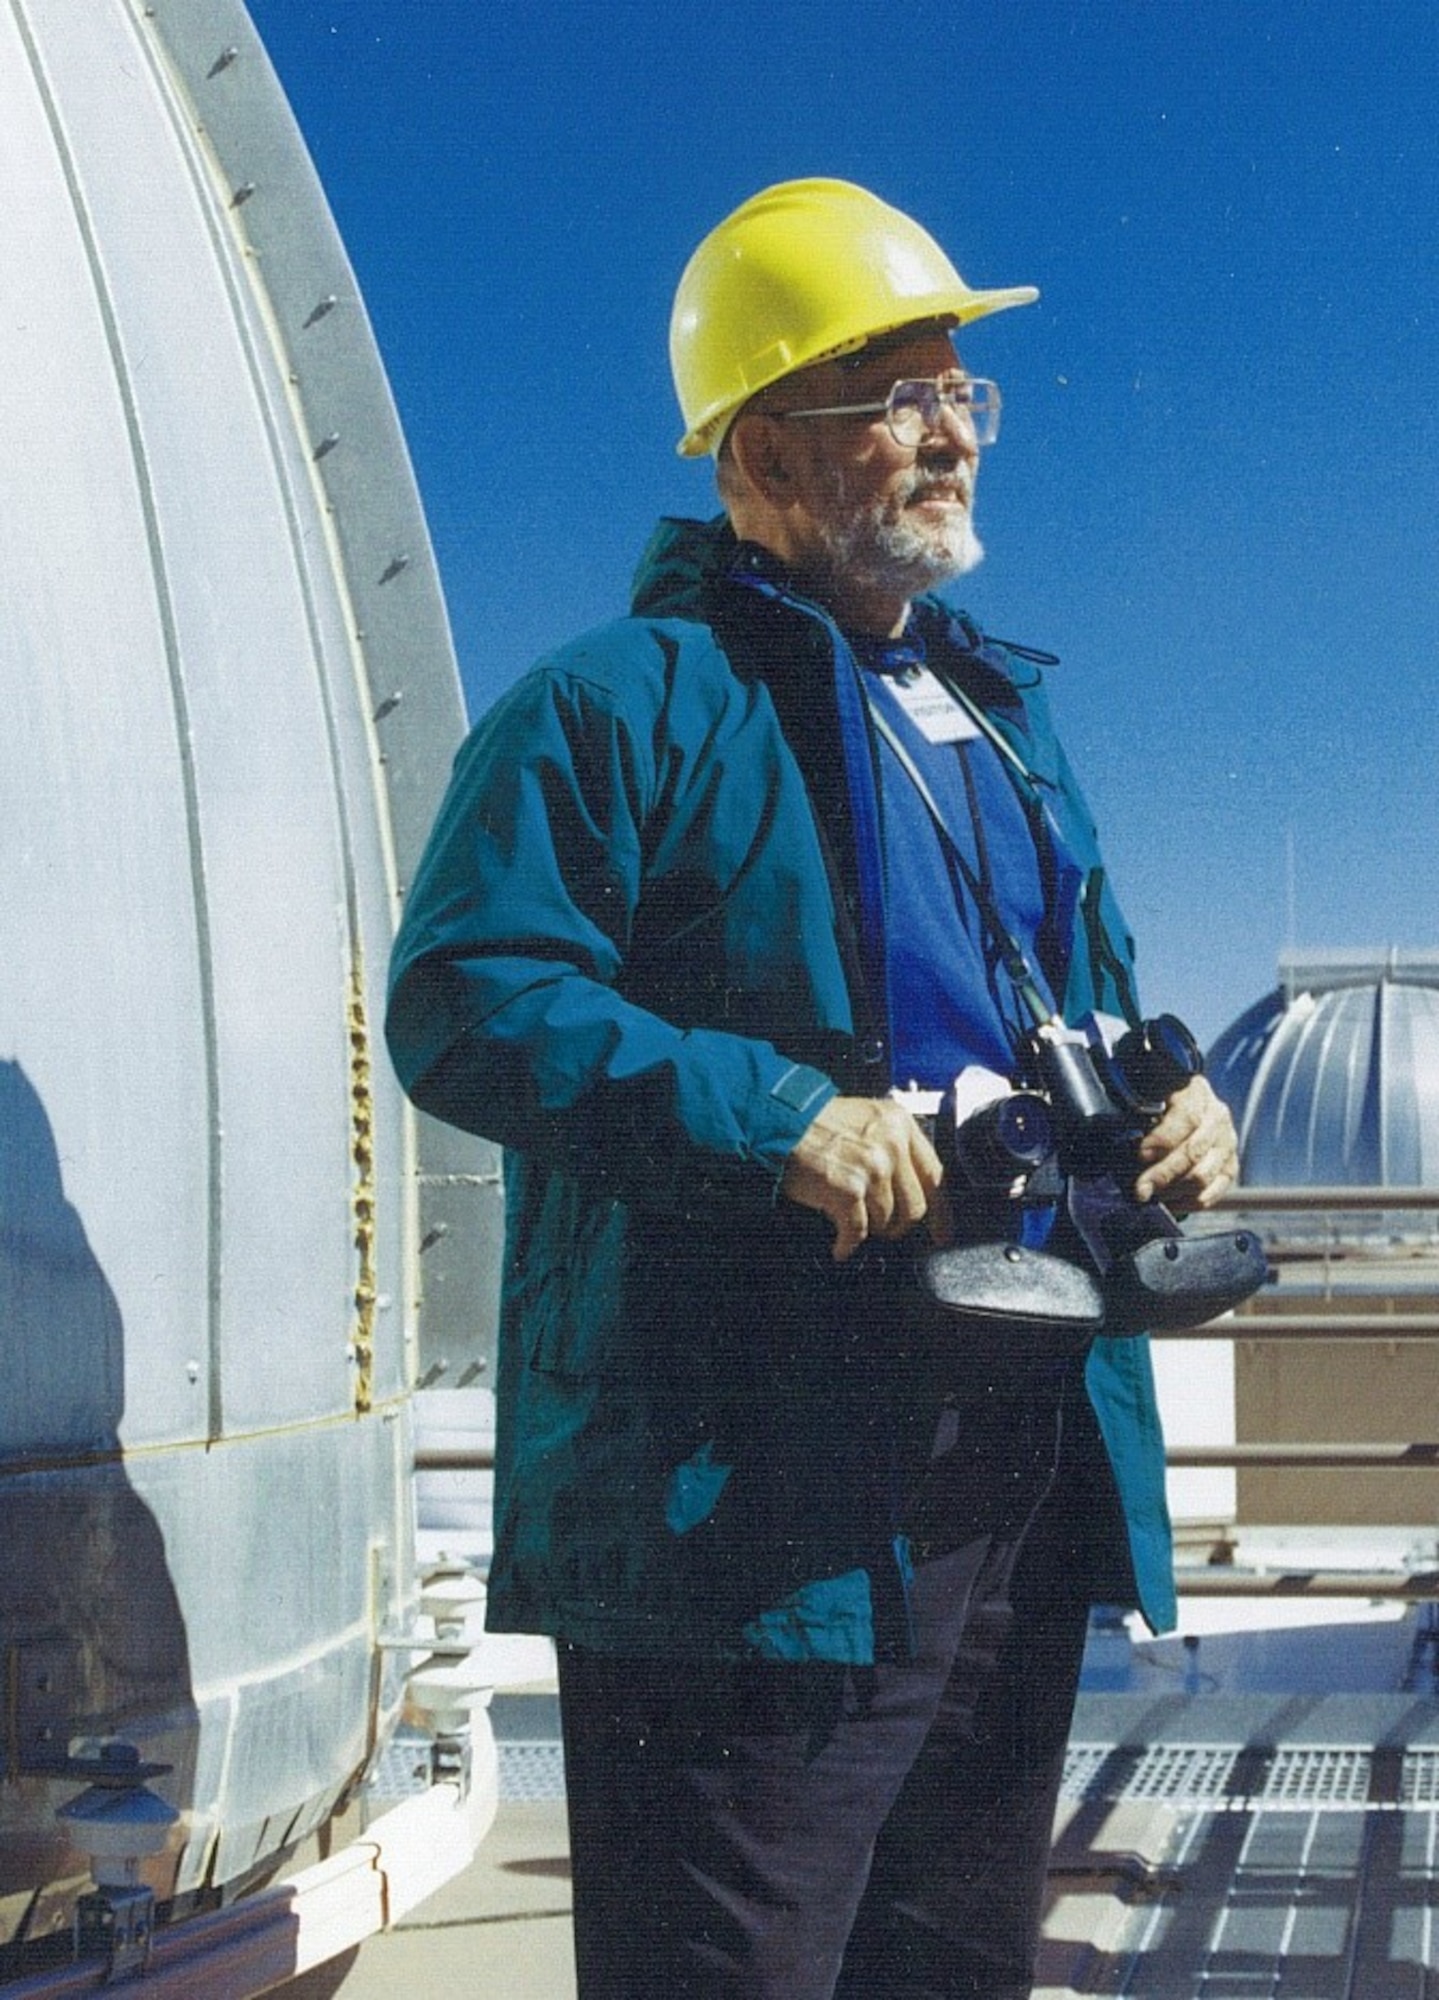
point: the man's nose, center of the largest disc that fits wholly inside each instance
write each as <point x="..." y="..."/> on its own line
<point x="956" y="427"/>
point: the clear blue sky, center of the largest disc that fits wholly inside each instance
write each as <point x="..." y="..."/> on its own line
<point x="1217" y="493"/>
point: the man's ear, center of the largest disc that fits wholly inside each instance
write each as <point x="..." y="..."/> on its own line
<point x="762" y="451"/>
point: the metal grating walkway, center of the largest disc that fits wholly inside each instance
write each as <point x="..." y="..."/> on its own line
<point x="1226" y="1871"/>
<point x="1188" y="1870"/>
<point x="1295" y="1777"/>
<point x="1185" y="1776"/>
<point x="531" y="1773"/>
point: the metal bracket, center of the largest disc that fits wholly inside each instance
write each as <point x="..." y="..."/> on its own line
<point x="452" y="1762"/>
<point x="118" y="1925"/>
<point x="39" y="1703"/>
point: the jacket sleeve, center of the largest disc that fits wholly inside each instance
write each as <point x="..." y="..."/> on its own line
<point x="507" y="1015"/>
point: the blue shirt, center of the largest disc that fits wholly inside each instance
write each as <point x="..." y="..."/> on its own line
<point x="951" y="1003"/>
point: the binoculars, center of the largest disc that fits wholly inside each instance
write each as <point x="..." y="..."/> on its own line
<point x="1061" y="1136"/>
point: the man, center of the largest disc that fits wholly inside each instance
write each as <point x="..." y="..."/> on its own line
<point x="707" y="886"/>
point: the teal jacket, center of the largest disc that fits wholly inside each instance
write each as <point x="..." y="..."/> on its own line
<point x="620" y="959"/>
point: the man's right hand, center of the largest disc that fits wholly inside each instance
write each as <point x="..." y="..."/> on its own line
<point x="868" y="1166"/>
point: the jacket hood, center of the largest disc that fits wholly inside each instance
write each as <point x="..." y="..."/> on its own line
<point x="681" y="562"/>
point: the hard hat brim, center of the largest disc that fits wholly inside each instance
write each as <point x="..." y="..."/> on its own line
<point x="708" y="436"/>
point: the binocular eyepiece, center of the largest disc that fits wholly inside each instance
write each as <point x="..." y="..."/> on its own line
<point x="1076" y="1098"/>
<point x="1154" y="1060"/>
<point x="1009" y="1137"/>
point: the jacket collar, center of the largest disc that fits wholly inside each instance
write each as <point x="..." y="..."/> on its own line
<point x="696" y="569"/>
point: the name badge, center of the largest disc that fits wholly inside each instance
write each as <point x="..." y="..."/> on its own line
<point x="932" y="709"/>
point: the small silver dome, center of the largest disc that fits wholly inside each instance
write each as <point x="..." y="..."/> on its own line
<point x="1333" y="1079"/>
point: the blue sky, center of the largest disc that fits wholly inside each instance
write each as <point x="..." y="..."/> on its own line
<point x="1217" y="492"/>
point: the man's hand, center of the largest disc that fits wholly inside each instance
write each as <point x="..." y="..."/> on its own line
<point x="866" y="1165"/>
<point x="1192" y="1155"/>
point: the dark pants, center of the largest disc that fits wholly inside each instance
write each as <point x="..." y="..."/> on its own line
<point x="800" y="1831"/>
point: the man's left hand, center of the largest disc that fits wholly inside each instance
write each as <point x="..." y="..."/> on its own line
<point x="1191" y="1156"/>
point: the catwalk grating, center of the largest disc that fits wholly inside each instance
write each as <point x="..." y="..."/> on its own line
<point x="531" y="1773"/>
<point x="1302" y="1871"/>
<point x="1187" y="1776"/>
<point x="1211" y="1777"/>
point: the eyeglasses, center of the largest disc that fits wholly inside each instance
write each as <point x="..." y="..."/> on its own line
<point x="913" y="409"/>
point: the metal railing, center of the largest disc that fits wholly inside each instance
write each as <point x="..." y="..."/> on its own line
<point x="1316" y="1326"/>
<point x="1360" y="1319"/>
<point x="1334" y="1199"/>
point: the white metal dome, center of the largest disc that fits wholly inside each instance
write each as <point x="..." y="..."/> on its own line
<point x="1333" y="1078"/>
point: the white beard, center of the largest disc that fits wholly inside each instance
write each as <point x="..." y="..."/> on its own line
<point x="882" y="548"/>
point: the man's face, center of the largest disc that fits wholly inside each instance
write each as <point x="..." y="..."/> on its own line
<point x="876" y="523"/>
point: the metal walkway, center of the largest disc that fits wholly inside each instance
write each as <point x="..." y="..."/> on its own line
<point x="1207" y="1869"/>
<point x="1259" y="1846"/>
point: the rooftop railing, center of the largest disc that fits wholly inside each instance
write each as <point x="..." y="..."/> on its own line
<point x="1364" y="1310"/>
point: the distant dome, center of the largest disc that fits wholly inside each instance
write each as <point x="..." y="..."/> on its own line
<point x="1333" y="1079"/>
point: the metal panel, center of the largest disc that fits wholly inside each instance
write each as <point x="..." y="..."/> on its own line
<point x="208" y="485"/>
<point x="208" y="1234"/>
<point x="100" y="917"/>
<point x="411" y="707"/>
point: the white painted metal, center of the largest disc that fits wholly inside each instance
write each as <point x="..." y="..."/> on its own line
<point x="314" y="1915"/>
<point x="230" y="703"/>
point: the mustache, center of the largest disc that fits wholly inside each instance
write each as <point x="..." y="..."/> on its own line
<point x="935" y="474"/>
<point x="923" y="480"/>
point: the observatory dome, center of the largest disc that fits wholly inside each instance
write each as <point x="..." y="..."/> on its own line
<point x="1333" y="1078"/>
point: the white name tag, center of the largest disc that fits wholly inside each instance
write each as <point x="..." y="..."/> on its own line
<point x="932" y="708"/>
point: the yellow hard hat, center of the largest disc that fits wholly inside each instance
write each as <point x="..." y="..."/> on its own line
<point x="800" y="273"/>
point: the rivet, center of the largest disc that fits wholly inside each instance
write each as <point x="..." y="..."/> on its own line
<point x="397" y="565"/>
<point x="327" y="444"/>
<point x="224" y="60"/>
<point x="389" y="705"/>
<point x="326" y="305"/>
